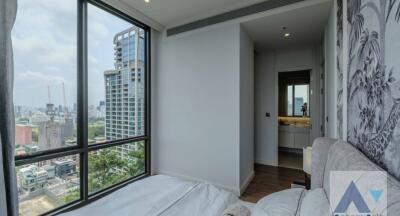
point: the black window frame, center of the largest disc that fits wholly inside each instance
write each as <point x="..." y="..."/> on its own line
<point x="83" y="148"/>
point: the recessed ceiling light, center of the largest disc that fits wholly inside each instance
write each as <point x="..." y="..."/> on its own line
<point x="147" y="1"/>
<point x="287" y="34"/>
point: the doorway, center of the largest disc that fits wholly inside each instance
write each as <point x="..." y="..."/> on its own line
<point x="294" y="122"/>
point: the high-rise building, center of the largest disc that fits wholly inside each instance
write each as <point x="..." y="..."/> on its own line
<point x="54" y="134"/>
<point x="92" y="111"/>
<point x="17" y="111"/>
<point x="50" y="110"/>
<point x="298" y="103"/>
<point x="124" y="88"/>
<point x="60" y="110"/>
<point x="101" y="110"/>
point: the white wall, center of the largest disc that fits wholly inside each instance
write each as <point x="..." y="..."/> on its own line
<point x="330" y="76"/>
<point x="246" y="109"/>
<point x="267" y="66"/>
<point x="294" y="60"/>
<point x="155" y="40"/>
<point x="266" y="128"/>
<point x="196" y="106"/>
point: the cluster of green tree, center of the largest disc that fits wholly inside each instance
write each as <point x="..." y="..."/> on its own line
<point x="95" y="130"/>
<point x="107" y="167"/>
<point x="95" y="120"/>
<point x="35" y="134"/>
<point x="71" y="196"/>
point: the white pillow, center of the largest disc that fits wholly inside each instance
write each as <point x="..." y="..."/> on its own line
<point x="236" y="209"/>
<point x="315" y="202"/>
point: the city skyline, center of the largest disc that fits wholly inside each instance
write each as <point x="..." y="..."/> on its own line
<point x="45" y="101"/>
<point x="36" y="70"/>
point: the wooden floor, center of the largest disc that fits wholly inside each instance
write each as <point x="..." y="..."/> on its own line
<point x="290" y="160"/>
<point x="270" y="179"/>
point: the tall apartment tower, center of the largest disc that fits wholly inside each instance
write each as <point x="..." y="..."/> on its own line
<point x="125" y="88"/>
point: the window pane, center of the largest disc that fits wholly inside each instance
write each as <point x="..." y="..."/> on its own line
<point x="44" y="44"/>
<point x="301" y="102"/>
<point x="116" y="77"/>
<point x="290" y="100"/>
<point x="46" y="185"/>
<point x="116" y="164"/>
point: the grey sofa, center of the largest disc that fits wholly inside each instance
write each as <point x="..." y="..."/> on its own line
<point x="327" y="155"/>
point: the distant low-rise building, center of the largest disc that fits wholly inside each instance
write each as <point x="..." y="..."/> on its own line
<point x="23" y="134"/>
<point x="64" y="167"/>
<point x="31" y="148"/>
<point x="51" y="171"/>
<point x="32" y="178"/>
<point x="20" y="151"/>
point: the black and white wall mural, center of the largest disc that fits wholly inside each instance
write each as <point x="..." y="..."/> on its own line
<point x="373" y="80"/>
<point x="339" y="65"/>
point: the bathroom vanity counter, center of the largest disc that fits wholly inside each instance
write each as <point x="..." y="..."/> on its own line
<point x="294" y="136"/>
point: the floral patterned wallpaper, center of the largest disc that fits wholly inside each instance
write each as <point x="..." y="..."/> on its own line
<point x="339" y="66"/>
<point x="373" y="80"/>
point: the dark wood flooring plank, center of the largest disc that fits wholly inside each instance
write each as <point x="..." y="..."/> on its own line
<point x="270" y="179"/>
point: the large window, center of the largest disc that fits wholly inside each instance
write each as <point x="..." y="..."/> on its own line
<point x="81" y="102"/>
<point x="116" y="77"/>
<point x="45" y="59"/>
<point x="298" y="103"/>
<point x="294" y="93"/>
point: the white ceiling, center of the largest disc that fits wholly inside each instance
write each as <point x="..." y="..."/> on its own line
<point x="305" y="25"/>
<point x="171" y="13"/>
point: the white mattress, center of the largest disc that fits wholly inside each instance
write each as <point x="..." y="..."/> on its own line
<point x="161" y="195"/>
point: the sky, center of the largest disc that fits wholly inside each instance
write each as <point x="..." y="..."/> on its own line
<point x="44" y="40"/>
<point x="300" y="91"/>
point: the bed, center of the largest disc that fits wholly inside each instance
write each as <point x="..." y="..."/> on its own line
<point x="161" y="195"/>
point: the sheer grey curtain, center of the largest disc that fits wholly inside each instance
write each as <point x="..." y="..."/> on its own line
<point x="8" y="9"/>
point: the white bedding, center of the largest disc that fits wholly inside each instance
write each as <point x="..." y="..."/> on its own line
<point x="249" y="205"/>
<point x="161" y="195"/>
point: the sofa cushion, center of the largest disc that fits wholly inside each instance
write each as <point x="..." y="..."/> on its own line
<point x="315" y="202"/>
<point x="282" y="203"/>
<point x="320" y="150"/>
<point x="393" y="198"/>
<point x="344" y="157"/>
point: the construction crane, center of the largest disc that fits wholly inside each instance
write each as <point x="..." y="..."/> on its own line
<point x="48" y="94"/>
<point x="50" y="107"/>
<point x="65" y="103"/>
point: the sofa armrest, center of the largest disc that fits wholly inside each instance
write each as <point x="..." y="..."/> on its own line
<point x="319" y="157"/>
